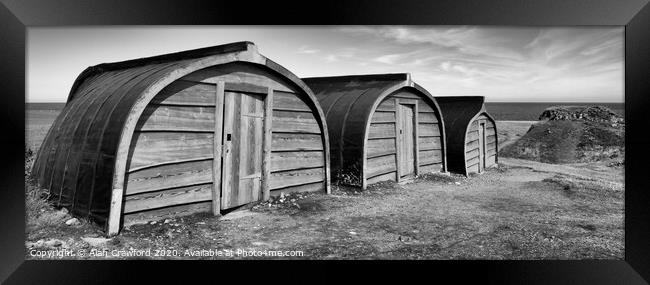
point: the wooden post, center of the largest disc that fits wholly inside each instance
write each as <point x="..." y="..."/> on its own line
<point x="416" y="135"/>
<point x="115" y="212"/>
<point x="216" y="162"/>
<point x="398" y="141"/>
<point x="266" y="145"/>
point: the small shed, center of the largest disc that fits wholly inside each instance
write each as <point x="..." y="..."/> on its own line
<point x="203" y="130"/>
<point x="471" y="134"/>
<point x="381" y="127"/>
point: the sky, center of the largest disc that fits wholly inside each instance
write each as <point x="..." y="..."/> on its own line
<point x="504" y="64"/>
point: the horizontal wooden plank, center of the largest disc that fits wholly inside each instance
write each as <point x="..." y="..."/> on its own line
<point x="383" y="117"/>
<point x="405" y="95"/>
<point x="491" y="138"/>
<point x="168" y="212"/>
<point x="471" y="136"/>
<point x="311" y="187"/>
<point x="428" y="130"/>
<point x="169" y="176"/>
<point x="472" y="153"/>
<point x="281" y="161"/>
<point x="378" y="154"/>
<point x="491" y="152"/>
<point x="430" y="156"/>
<point x="296" y="177"/>
<point x="472" y="168"/>
<point x="302" y="124"/>
<point x="376" y="146"/>
<point x="293" y="142"/>
<point x="285" y="100"/>
<point x="427" y="117"/>
<point x="170" y="197"/>
<point x="472" y="161"/>
<point x="471" y="145"/>
<point x="492" y="145"/>
<point x="387" y="104"/>
<point x="431" y="168"/>
<point x="429" y="143"/>
<point x="473" y="126"/>
<point x="490" y="132"/>
<point x="294" y="115"/>
<point x="380" y="165"/>
<point x="425" y="108"/>
<point x="182" y="92"/>
<point x="490" y="161"/>
<point x="381" y="131"/>
<point x="176" y="118"/>
<point x="238" y="73"/>
<point x="384" y="177"/>
<point x="245" y="87"/>
<point x="159" y="147"/>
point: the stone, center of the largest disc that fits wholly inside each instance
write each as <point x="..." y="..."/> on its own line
<point x="72" y="222"/>
<point x="95" y="241"/>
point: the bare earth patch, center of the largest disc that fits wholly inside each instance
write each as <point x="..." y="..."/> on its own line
<point x="508" y="213"/>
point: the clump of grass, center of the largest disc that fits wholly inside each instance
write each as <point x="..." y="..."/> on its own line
<point x="582" y="188"/>
<point x="350" y="176"/>
<point x="36" y="198"/>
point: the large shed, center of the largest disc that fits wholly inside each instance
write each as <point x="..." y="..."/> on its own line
<point x="203" y="130"/>
<point x="381" y="127"/>
<point x="471" y="134"/>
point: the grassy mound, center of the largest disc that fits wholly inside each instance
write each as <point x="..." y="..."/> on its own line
<point x="568" y="135"/>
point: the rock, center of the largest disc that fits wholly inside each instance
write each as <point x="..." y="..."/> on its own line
<point x="153" y="223"/>
<point x="72" y="222"/>
<point x="404" y="238"/>
<point x="353" y="233"/>
<point x="38" y="243"/>
<point x="95" y="241"/>
<point x="53" y="243"/>
<point x="64" y="211"/>
<point x="457" y="183"/>
<point x="167" y="221"/>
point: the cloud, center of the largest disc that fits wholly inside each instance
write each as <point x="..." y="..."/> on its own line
<point x="307" y="50"/>
<point x="530" y="64"/>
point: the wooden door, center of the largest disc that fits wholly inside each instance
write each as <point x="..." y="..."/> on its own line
<point x="406" y="136"/>
<point x="481" y="146"/>
<point x="243" y="136"/>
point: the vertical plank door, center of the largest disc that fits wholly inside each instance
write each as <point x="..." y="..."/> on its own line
<point x="408" y="143"/>
<point x="243" y="149"/>
<point x="481" y="146"/>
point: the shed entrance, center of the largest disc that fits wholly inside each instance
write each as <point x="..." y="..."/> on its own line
<point x="243" y="145"/>
<point x="406" y="135"/>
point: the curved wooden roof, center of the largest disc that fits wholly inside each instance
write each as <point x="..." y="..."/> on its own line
<point x="348" y="103"/>
<point x="459" y="112"/>
<point x="83" y="158"/>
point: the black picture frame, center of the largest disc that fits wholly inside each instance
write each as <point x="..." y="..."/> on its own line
<point x="17" y="15"/>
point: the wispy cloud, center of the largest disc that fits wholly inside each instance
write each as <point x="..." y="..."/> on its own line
<point x="307" y="50"/>
<point x="504" y="62"/>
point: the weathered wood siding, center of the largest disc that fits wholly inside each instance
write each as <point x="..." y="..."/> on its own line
<point x="381" y="146"/>
<point x="171" y="158"/>
<point x="472" y="154"/>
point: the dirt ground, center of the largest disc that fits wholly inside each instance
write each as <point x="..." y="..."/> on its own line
<point x="520" y="210"/>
